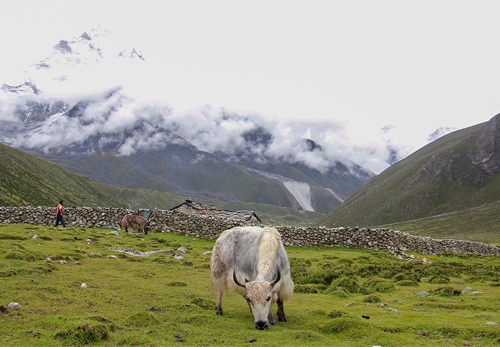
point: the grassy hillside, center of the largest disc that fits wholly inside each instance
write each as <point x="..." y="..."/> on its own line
<point x="75" y="288"/>
<point x="29" y="180"/>
<point x="439" y="178"/>
<point x="476" y="224"/>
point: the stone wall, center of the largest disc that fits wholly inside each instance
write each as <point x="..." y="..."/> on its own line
<point x="210" y="227"/>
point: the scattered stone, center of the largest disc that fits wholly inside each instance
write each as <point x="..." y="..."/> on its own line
<point x="114" y="233"/>
<point x="252" y="339"/>
<point x="34" y="236"/>
<point x="83" y="285"/>
<point x="182" y="249"/>
<point x="95" y="255"/>
<point x="398" y="302"/>
<point x="466" y="289"/>
<point x="139" y="253"/>
<point x="62" y="261"/>
<point x="382" y="305"/>
<point x="15" y="306"/>
<point x="179" y="338"/>
<point x="207" y="252"/>
<point x="423" y="294"/>
<point x="179" y="256"/>
<point x="112" y="256"/>
<point x="476" y="293"/>
<point x="393" y="309"/>
<point x="491" y="324"/>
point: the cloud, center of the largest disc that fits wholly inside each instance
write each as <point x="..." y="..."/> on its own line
<point x="109" y="96"/>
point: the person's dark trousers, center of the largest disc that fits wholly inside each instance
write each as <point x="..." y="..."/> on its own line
<point x="60" y="219"/>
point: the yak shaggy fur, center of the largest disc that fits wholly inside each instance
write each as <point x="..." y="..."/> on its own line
<point x="135" y="221"/>
<point x="258" y="256"/>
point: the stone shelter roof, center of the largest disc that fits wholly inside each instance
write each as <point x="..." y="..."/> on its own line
<point x="196" y="208"/>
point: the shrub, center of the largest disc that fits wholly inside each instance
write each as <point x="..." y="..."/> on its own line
<point x="348" y="284"/>
<point x="447" y="291"/>
<point x="335" y="314"/>
<point x="407" y="283"/>
<point x="372" y="299"/>
<point x="439" y="280"/>
<point x="85" y="334"/>
<point x="379" y="285"/>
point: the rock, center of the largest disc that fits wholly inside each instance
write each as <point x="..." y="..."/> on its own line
<point x="466" y="289"/>
<point x="476" y="293"/>
<point x="182" y="249"/>
<point x="423" y="294"/>
<point x="179" y="338"/>
<point x="83" y="285"/>
<point x="491" y="324"/>
<point x="15" y="306"/>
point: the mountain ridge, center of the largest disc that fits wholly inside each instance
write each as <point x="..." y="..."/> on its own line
<point x="459" y="170"/>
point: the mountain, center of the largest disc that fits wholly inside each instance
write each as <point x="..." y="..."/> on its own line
<point x="140" y="154"/>
<point x="26" y="180"/>
<point x="458" y="171"/>
<point x="113" y="138"/>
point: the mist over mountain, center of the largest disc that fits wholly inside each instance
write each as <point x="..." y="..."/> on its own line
<point x="89" y="105"/>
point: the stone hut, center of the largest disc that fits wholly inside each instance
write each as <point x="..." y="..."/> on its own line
<point x="197" y="209"/>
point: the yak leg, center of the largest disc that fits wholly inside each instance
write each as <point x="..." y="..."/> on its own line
<point x="218" y="306"/>
<point x="270" y="318"/>
<point x="281" y="311"/>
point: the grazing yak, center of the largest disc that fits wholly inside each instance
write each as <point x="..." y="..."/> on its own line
<point x="258" y="256"/>
<point x="135" y="221"/>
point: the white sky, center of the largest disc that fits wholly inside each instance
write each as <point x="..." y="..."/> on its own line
<point x="416" y="65"/>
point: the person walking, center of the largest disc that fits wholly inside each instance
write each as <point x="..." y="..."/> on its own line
<point x="59" y="214"/>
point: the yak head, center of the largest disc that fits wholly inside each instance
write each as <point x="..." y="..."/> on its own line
<point x="259" y="296"/>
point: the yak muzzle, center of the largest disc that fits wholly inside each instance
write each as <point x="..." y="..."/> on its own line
<point x="261" y="325"/>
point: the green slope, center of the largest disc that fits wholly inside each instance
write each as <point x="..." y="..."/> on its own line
<point x="439" y="178"/>
<point x="28" y="180"/>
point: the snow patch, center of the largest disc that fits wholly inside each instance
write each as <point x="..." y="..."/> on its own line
<point x="302" y="193"/>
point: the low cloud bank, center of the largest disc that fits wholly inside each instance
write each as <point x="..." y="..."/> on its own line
<point x="211" y="129"/>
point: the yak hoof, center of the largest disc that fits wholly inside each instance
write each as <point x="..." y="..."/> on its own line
<point x="282" y="319"/>
<point x="219" y="313"/>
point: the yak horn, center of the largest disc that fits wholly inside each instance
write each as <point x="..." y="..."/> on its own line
<point x="278" y="277"/>
<point x="236" y="280"/>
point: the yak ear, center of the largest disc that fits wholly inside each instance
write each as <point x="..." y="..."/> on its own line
<point x="235" y="279"/>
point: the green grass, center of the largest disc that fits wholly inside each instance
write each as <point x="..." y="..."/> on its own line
<point x="475" y="224"/>
<point x="159" y="300"/>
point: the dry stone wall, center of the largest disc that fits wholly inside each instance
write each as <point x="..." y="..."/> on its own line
<point x="210" y="227"/>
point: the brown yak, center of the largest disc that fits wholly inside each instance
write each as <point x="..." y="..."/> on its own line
<point x="134" y="221"/>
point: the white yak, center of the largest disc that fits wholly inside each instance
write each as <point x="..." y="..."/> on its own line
<point x="258" y="256"/>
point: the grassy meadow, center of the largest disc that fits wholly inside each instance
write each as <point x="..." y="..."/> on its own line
<point x="76" y="288"/>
